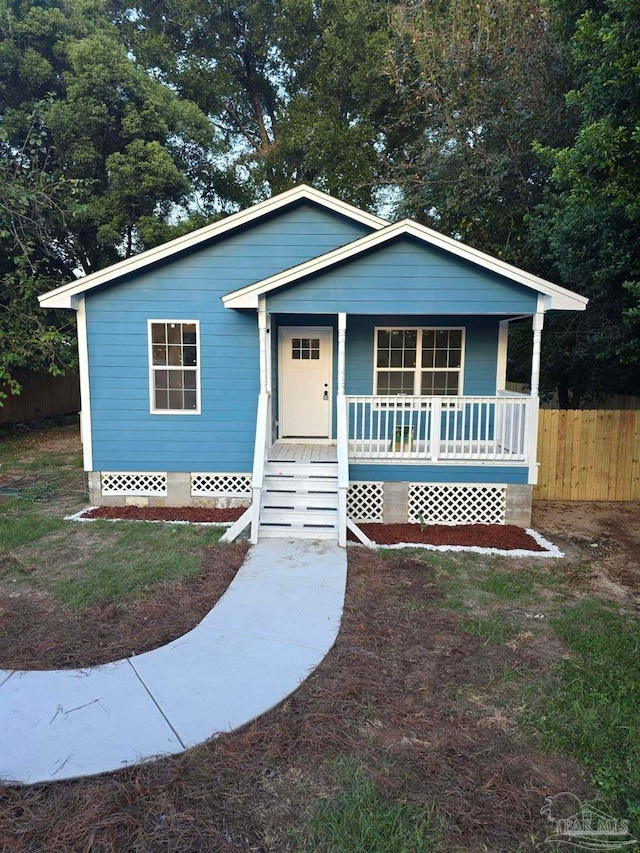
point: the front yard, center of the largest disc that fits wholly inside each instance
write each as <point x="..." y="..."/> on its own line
<point x="463" y="689"/>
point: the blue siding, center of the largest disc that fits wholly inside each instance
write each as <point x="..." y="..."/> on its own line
<point x="405" y="276"/>
<point x="125" y="435"/>
<point x="439" y="473"/>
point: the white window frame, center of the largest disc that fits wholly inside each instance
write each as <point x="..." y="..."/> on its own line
<point x="152" y="368"/>
<point x="418" y="370"/>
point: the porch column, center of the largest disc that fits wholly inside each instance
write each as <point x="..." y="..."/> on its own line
<point x="262" y="334"/>
<point x="342" y="435"/>
<point x="342" y="337"/>
<point x="533" y="405"/>
<point x="538" y="323"/>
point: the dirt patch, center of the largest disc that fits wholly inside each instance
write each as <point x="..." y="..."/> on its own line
<point x="386" y="695"/>
<point x="166" y="513"/>
<point x="39" y="633"/>
<point x="507" y="537"/>
<point x="604" y="536"/>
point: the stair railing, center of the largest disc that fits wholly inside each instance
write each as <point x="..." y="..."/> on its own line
<point x="342" y="426"/>
<point x="260" y="454"/>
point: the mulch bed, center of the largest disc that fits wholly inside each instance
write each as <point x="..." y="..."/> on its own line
<point x="167" y="513"/>
<point x="38" y="633"/>
<point x="507" y="537"/>
<point x="386" y="695"/>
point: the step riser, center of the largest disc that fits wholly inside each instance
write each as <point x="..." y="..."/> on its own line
<point x="299" y="502"/>
<point x="286" y="516"/>
<point x="295" y="533"/>
<point x="319" y="469"/>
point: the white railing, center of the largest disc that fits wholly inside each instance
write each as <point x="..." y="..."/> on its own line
<point x="436" y="429"/>
<point x="260" y="453"/>
<point x="342" y="432"/>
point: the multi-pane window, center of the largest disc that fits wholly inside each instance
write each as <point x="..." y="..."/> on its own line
<point x="174" y="366"/>
<point x="419" y="361"/>
<point x="305" y="348"/>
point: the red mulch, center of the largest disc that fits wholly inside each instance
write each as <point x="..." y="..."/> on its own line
<point x="505" y="536"/>
<point x="166" y="513"/>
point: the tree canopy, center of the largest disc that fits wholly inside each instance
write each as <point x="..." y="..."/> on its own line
<point x="511" y="124"/>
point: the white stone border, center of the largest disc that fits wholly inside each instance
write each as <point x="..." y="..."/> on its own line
<point x="551" y="549"/>
<point x="78" y="516"/>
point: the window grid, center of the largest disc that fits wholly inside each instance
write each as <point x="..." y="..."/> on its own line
<point x="422" y="361"/>
<point x="305" y="348"/>
<point x="174" y="366"/>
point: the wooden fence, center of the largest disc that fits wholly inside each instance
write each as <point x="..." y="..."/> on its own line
<point x="42" y="395"/>
<point x="588" y="455"/>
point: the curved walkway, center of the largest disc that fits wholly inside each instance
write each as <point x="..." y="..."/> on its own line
<point x="269" y="631"/>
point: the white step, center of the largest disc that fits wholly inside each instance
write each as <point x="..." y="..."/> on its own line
<point x="326" y="485"/>
<point x="295" y="533"/>
<point x="301" y="469"/>
<point x="306" y="518"/>
<point x="296" y="500"/>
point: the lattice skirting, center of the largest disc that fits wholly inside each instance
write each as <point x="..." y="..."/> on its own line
<point x="365" y="501"/>
<point x="130" y="483"/>
<point x="220" y="485"/>
<point x="441" y="503"/>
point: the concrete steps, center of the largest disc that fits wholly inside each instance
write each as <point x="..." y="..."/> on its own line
<point x="299" y="500"/>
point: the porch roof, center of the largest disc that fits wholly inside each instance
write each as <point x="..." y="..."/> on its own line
<point x="552" y="296"/>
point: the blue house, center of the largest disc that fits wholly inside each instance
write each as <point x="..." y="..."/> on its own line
<point x="314" y="363"/>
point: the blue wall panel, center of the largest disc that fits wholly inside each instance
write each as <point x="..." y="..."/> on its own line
<point x="125" y="435"/>
<point x="405" y="276"/>
<point x="439" y="473"/>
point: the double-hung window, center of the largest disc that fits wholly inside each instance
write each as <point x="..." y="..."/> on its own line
<point x="174" y="356"/>
<point x="420" y="362"/>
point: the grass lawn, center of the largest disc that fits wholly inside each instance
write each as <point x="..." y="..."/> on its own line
<point x="462" y="691"/>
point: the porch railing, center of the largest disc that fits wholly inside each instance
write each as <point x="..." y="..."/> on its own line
<point x="437" y="429"/>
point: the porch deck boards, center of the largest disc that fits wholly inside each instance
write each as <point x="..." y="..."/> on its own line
<point x="302" y="452"/>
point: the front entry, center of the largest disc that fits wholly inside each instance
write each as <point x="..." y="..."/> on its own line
<point x="304" y="381"/>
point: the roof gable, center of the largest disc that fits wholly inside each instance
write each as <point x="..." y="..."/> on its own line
<point x="553" y="295"/>
<point x="66" y="295"/>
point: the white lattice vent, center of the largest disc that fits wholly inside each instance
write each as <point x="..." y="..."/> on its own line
<point x="457" y="503"/>
<point x="131" y="483"/>
<point x="218" y="485"/>
<point x="365" y="501"/>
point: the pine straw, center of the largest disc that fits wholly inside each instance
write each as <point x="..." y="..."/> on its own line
<point x="385" y="695"/>
<point x="39" y="633"/>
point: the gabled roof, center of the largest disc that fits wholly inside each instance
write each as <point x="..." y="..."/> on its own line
<point x="63" y="297"/>
<point x="555" y="296"/>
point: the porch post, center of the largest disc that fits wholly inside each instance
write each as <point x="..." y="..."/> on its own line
<point x="342" y="337"/>
<point x="533" y="404"/>
<point x="342" y="434"/>
<point x="262" y="335"/>
<point x="538" y="323"/>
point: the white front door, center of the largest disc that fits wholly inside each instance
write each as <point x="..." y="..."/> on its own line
<point x="304" y="381"/>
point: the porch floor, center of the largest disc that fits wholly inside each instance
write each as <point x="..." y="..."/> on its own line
<point x="302" y="452"/>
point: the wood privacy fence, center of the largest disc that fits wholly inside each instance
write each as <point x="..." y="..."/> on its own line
<point x="588" y="455"/>
<point x="42" y="395"/>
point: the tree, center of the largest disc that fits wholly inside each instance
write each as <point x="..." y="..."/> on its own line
<point x="478" y="83"/>
<point x="97" y="156"/>
<point x="295" y="88"/>
<point x="588" y="227"/>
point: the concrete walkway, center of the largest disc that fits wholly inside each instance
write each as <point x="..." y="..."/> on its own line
<point x="270" y="630"/>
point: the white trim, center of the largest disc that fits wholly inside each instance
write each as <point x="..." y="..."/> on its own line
<point x="85" y="390"/>
<point x="303" y="330"/>
<point x="153" y="367"/>
<point x="61" y="297"/>
<point x="559" y="297"/>
<point x="418" y="370"/>
<point x="501" y="361"/>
